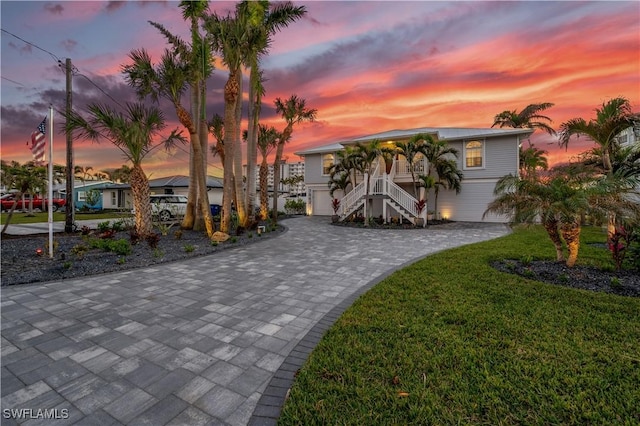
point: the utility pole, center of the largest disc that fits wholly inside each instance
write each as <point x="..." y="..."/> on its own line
<point x="70" y="211"/>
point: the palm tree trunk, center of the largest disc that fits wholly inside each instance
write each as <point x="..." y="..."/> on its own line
<point x="141" y="202"/>
<point x="252" y="148"/>
<point x="230" y="95"/>
<point x="10" y="215"/>
<point x="241" y="206"/>
<point x="190" y="213"/>
<point x="286" y="134"/>
<point x="264" y="190"/>
<point x="551" y="226"/>
<point x="571" y="234"/>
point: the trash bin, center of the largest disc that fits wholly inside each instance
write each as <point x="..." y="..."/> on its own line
<point x="215" y="209"/>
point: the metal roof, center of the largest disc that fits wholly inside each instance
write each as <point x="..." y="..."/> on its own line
<point x="442" y="133"/>
<point x="176" y="181"/>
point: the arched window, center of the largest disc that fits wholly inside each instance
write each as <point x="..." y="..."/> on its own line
<point x="474" y="154"/>
<point x="327" y="161"/>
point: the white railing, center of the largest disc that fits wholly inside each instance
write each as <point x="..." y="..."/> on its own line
<point x="401" y="197"/>
<point x="353" y="199"/>
<point x="403" y="168"/>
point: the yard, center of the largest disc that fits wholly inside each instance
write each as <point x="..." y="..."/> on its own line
<point x="451" y="340"/>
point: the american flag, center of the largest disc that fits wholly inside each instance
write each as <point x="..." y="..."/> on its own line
<point x="38" y="143"/>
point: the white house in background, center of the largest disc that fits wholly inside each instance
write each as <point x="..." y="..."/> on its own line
<point x="485" y="155"/>
<point x="118" y="196"/>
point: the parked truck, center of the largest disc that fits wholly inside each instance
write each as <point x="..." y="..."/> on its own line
<point x="23" y="204"/>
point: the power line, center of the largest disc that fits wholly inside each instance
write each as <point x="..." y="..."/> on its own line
<point x="13" y="81"/>
<point x="31" y="44"/>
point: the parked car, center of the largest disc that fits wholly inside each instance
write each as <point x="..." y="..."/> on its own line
<point x="39" y="203"/>
<point x="167" y="207"/>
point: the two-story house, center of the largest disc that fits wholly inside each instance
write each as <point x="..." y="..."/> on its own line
<point x="485" y="155"/>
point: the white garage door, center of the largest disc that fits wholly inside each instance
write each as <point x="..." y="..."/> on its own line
<point x="321" y="203"/>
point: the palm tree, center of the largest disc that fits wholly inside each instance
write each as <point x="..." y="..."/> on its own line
<point x="226" y="36"/>
<point x="413" y="151"/>
<point x="532" y="159"/>
<point x="449" y="177"/>
<point x="267" y="141"/>
<point x="294" y="111"/>
<point x="339" y="182"/>
<point x="183" y="65"/>
<point x="83" y="172"/>
<point x="348" y="162"/>
<point x="528" y="118"/>
<point x="612" y="118"/>
<point x="263" y="20"/>
<point x="133" y="133"/>
<point x="366" y="155"/>
<point x="560" y="200"/>
<point x="26" y="178"/>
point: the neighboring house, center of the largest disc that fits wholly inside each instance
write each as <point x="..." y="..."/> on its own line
<point x="485" y="155"/>
<point x="80" y="190"/>
<point x="118" y="196"/>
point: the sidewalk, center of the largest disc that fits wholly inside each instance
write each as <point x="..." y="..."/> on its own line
<point x="211" y="340"/>
<point x="43" y="227"/>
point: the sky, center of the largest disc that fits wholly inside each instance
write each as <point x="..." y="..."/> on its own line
<point x="367" y="67"/>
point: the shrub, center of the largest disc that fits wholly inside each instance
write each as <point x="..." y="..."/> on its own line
<point x="178" y="234"/>
<point x="153" y="240"/>
<point x="188" y="248"/>
<point x="118" y="226"/>
<point x="85" y="230"/>
<point x="120" y="246"/>
<point x="295" y="206"/>
<point x="104" y="226"/>
<point x="79" y="250"/>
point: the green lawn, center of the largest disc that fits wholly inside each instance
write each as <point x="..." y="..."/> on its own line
<point x="22" y="218"/>
<point x="449" y="340"/>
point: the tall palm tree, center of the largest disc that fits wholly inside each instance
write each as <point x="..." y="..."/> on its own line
<point x="267" y="141"/>
<point x="413" y="150"/>
<point x="133" y="133"/>
<point x="294" y="111"/>
<point x="184" y="65"/>
<point x="263" y="19"/>
<point x="528" y="118"/>
<point x="226" y="36"/>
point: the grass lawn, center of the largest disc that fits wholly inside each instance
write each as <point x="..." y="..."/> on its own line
<point x="450" y="340"/>
<point x="22" y="218"/>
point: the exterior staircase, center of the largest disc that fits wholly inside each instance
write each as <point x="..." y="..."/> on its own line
<point x="380" y="185"/>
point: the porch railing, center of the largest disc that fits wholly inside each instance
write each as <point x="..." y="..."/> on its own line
<point x="403" y="168"/>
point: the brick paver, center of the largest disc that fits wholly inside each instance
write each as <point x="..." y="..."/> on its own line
<point x="211" y="340"/>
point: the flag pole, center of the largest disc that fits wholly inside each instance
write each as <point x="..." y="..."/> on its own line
<point x="51" y="181"/>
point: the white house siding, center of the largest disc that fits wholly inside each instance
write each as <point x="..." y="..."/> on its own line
<point x="500" y="158"/>
<point x="470" y="204"/>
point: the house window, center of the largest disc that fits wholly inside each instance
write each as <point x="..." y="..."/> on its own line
<point x="327" y="161"/>
<point x="114" y="199"/>
<point x="474" y="154"/>
<point x="82" y="196"/>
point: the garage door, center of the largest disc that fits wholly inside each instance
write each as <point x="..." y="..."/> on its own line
<point x="321" y="203"/>
<point x="470" y="204"/>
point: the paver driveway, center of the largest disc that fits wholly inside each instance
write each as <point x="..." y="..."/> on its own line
<point x="211" y="340"/>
